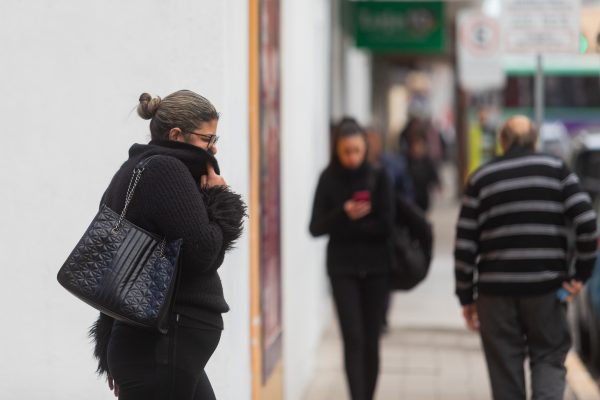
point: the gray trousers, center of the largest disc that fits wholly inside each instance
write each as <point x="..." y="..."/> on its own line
<point x="513" y="328"/>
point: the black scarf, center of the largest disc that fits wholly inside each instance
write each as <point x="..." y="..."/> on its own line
<point x="349" y="174"/>
<point x="195" y="158"/>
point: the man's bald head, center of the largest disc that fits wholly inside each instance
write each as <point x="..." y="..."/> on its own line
<point x="518" y="131"/>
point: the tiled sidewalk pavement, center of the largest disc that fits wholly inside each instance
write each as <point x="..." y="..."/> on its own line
<point x="417" y="364"/>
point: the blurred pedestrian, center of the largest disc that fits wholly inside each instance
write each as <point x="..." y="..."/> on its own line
<point x="353" y="205"/>
<point x="422" y="171"/>
<point x="420" y="123"/>
<point x="394" y="164"/>
<point x="396" y="168"/>
<point x="512" y="275"/>
<point x="182" y="196"/>
<point x="487" y="126"/>
<point x="415" y="126"/>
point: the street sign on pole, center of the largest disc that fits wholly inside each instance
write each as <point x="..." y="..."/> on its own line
<point x="479" y="51"/>
<point x="541" y="26"/>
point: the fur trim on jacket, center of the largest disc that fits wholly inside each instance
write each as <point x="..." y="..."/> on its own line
<point x="228" y="210"/>
<point x="100" y="334"/>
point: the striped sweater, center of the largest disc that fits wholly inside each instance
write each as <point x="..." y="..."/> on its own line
<point x="512" y="233"/>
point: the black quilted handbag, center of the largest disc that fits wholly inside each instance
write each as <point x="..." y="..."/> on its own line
<point x="123" y="270"/>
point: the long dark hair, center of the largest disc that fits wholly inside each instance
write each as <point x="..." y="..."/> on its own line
<point x="345" y="128"/>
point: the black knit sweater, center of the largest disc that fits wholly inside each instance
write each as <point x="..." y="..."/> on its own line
<point x="355" y="247"/>
<point x="169" y="201"/>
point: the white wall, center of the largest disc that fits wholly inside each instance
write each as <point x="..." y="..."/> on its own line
<point x="71" y="74"/>
<point x="358" y="84"/>
<point x="350" y="72"/>
<point x="337" y="70"/>
<point x="305" y="149"/>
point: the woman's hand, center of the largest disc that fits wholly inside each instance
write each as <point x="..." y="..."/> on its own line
<point x="212" y="179"/>
<point x="357" y="209"/>
<point x="112" y="385"/>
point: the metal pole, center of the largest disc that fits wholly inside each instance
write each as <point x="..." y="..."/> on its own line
<point x="539" y="92"/>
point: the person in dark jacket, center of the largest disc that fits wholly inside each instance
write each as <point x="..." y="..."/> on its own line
<point x="180" y="195"/>
<point x="353" y="205"/>
<point x="422" y="171"/>
<point x="394" y="164"/>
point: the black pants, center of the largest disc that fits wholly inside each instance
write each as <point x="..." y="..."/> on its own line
<point x="513" y="328"/>
<point x="149" y="365"/>
<point x="360" y="303"/>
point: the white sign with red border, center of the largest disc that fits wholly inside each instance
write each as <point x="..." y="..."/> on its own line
<point x="479" y="51"/>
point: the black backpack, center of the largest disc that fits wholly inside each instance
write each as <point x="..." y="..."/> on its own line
<point x="411" y="245"/>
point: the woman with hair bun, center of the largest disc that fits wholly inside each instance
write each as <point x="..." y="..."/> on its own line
<point x="181" y="195"/>
<point x="353" y="205"/>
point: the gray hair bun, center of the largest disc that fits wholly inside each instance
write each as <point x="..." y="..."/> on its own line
<point x="148" y="106"/>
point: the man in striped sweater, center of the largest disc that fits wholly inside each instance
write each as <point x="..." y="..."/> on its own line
<point x="511" y="259"/>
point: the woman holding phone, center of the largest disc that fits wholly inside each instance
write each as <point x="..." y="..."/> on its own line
<point x="353" y="205"/>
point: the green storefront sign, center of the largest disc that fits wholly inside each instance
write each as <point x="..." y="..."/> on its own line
<point x="399" y="26"/>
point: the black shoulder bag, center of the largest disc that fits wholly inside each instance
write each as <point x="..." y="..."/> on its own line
<point x="123" y="270"/>
<point x="412" y="246"/>
<point x="411" y="242"/>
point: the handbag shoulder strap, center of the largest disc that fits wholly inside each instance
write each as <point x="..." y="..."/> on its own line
<point x="144" y="162"/>
<point x="372" y="179"/>
<point x="133" y="182"/>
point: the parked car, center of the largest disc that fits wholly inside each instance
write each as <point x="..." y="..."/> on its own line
<point x="555" y="140"/>
<point x="585" y="160"/>
<point x="585" y="310"/>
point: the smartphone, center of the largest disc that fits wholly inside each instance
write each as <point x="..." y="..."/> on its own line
<point x="562" y="294"/>
<point x="363" y="196"/>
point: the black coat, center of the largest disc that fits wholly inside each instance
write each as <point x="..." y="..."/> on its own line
<point x="169" y="201"/>
<point x="355" y="247"/>
<point x="424" y="176"/>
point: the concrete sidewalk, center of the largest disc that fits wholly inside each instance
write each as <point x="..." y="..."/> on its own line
<point x="423" y="364"/>
<point x="427" y="354"/>
<point x="417" y="363"/>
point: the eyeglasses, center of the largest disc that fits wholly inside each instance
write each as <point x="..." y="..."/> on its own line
<point x="211" y="140"/>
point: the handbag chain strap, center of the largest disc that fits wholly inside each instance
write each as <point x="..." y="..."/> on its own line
<point x="135" y="178"/>
<point x="133" y="182"/>
<point x="163" y="243"/>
